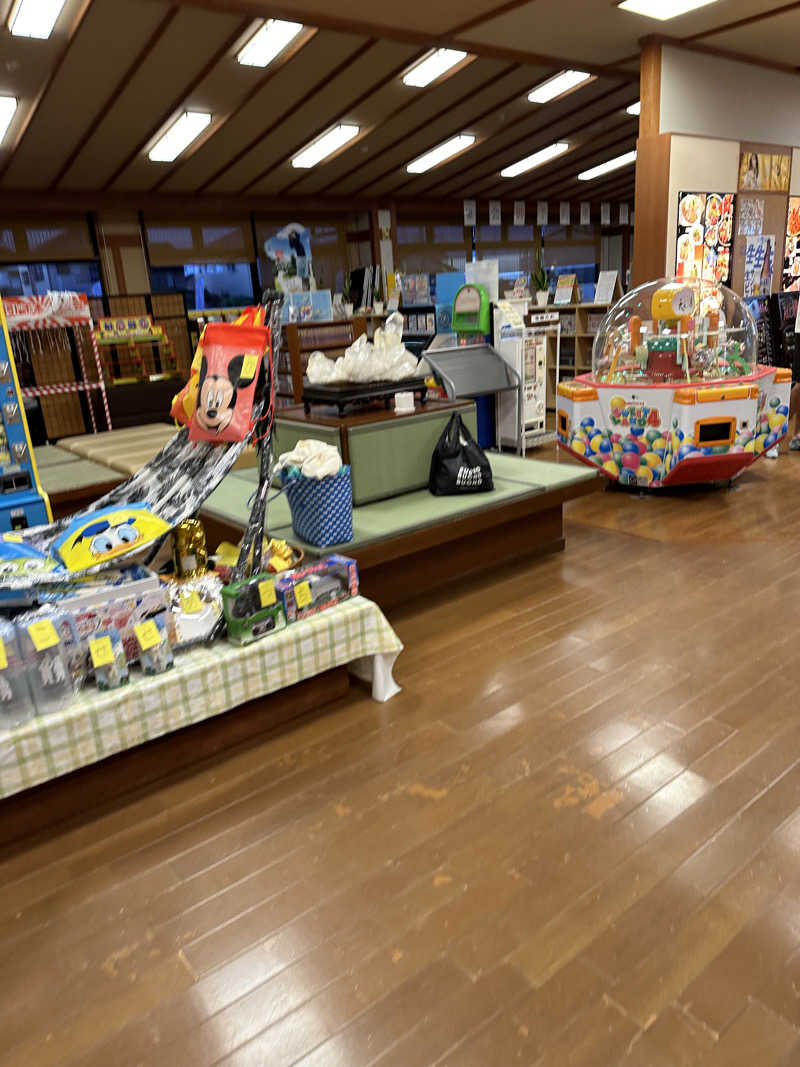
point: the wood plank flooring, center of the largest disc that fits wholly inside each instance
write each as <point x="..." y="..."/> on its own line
<point x="572" y="839"/>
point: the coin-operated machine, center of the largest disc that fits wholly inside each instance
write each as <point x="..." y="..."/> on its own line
<point x="23" y="502"/>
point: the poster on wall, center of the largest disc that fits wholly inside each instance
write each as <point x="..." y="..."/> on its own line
<point x="765" y="170"/>
<point x="791" y="259"/>
<point x="705" y="232"/>
<point x="290" y="252"/>
<point x="758" y="265"/>
<point x="750" y="217"/>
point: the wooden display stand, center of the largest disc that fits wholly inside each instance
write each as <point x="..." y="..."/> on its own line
<point x="579" y="324"/>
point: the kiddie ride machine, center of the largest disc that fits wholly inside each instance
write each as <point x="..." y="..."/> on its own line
<point x="675" y="395"/>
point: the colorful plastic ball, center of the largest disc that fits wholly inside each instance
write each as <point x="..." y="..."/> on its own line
<point x="642" y="447"/>
<point x="707" y="451"/>
<point x="744" y="437"/>
<point x="651" y="459"/>
<point x="658" y="472"/>
<point x="629" y="445"/>
<point x="720" y="450"/>
<point x="783" y="409"/>
<point x="637" y="431"/>
<point x="759" y="443"/>
<point x="771" y="439"/>
<point x="610" y="467"/>
<point x="775" y="420"/>
<point x="631" y="460"/>
<point x="644" y="475"/>
<point x="616" y="438"/>
<point x="751" y="445"/>
<point x="604" y="446"/>
<point x="628" y="477"/>
<point x="579" y="447"/>
<point x="685" y="450"/>
<point x="588" y="421"/>
<point x="678" y="431"/>
<point x="774" y="401"/>
<point x="618" y="401"/>
<point x="674" y="424"/>
<point x="658" y="442"/>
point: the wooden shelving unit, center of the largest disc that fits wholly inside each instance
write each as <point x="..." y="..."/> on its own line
<point x="300" y="339"/>
<point x="578" y="328"/>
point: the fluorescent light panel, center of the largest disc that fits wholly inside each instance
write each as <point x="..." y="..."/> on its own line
<point x="35" y="18"/>
<point x="663" y="9"/>
<point x="441" y="153"/>
<point x="635" y="109"/>
<point x="558" y="85"/>
<point x="8" y="108"/>
<point x="325" y="145"/>
<point x="179" y="136"/>
<point x="268" y="42"/>
<point x="536" y="160"/>
<point x="606" y="168"/>
<point x="432" y="67"/>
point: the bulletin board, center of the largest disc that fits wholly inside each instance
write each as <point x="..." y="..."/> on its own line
<point x="776" y="206"/>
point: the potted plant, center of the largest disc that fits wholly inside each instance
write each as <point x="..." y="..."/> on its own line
<point x="539" y="280"/>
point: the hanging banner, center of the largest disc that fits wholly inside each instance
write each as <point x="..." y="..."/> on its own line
<point x="495" y="213"/>
<point x="759" y="262"/>
<point x="563" y="213"/>
<point x="624" y="214"/>
<point x="605" y="214"/>
<point x="542" y="212"/>
<point x="49" y="311"/>
<point x="519" y="212"/>
<point x="470" y="213"/>
<point x="586" y="214"/>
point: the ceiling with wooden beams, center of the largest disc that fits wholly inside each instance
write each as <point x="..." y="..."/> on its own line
<point x="114" y="73"/>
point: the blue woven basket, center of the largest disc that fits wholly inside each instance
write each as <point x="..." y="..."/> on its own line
<point x="322" y="508"/>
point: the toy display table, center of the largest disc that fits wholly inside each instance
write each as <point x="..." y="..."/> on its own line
<point x="203" y="683"/>
<point x="389" y="454"/>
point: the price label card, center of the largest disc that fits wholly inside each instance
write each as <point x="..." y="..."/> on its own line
<point x="302" y="594"/>
<point x="101" y="651"/>
<point x="147" y="634"/>
<point x="3" y="656"/>
<point x="191" y="603"/>
<point x="266" y="591"/>
<point x="249" y="365"/>
<point x="43" y="634"/>
<point x="279" y="564"/>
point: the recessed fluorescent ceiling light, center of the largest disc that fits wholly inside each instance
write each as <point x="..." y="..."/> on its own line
<point x="8" y="106"/>
<point x="559" y="84"/>
<point x="535" y="160"/>
<point x="442" y="152"/>
<point x="663" y="9"/>
<point x="179" y="136"/>
<point x="432" y="67"/>
<point x="34" y="18"/>
<point x="606" y="168"/>
<point x="268" y="42"/>
<point x="326" y="144"/>
<point x="635" y="109"/>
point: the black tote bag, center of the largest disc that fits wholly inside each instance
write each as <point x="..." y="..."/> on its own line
<point x="459" y="464"/>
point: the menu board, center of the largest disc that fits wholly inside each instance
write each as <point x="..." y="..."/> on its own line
<point x="705" y="233"/>
<point x="791" y="261"/>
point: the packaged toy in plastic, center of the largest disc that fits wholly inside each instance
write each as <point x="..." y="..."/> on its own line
<point x="45" y="659"/>
<point x="107" y="654"/>
<point x="155" y="651"/>
<point x="252" y="609"/>
<point x="74" y="646"/>
<point x="312" y="588"/>
<point x="195" y="609"/>
<point x="16" y="702"/>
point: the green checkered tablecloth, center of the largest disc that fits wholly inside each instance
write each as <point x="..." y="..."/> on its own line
<point x="204" y="682"/>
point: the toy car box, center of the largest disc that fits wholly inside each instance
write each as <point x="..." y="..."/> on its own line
<point x="307" y="590"/>
<point x="252" y="609"/>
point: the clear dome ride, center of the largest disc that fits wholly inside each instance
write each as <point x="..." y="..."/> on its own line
<point x="676" y="394"/>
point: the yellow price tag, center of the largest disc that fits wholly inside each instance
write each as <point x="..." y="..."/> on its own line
<point x="3" y="656"/>
<point x="278" y="564"/>
<point x="249" y="366"/>
<point x="266" y="591"/>
<point x="191" y="603"/>
<point x="43" y="634"/>
<point x="302" y="594"/>
<point x="102" y="652"/>
<point x="147" y="634"/>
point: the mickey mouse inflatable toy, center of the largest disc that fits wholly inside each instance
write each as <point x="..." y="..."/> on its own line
<point x="216" y="398"/>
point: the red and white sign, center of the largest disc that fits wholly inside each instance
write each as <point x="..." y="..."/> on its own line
<point x="46" y="312"/>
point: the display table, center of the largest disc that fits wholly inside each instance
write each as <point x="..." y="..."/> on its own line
<point x="388" y="454"/>
<point x="204" y="682"/>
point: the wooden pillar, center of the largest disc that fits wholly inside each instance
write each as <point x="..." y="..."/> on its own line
<point x="652" y="174"/>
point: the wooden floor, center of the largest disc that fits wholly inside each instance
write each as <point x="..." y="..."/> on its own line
<point x="574" y="838"/>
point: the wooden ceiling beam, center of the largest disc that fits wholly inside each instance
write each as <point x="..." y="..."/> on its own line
<point x="178" y="101"/>
<point x="390" y="77"/>
<point x="315" y="88"/>
<point x="140" y="57"/>
<point x="526" y="141"/>
<point x="394" y="115"/>
<point x="274" y="67"/>
<point x="74" y="29"/>
<point x="328" y="18"/>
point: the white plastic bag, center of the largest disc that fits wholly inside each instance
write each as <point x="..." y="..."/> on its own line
<point x="314" y="458"/>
